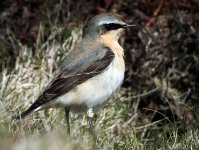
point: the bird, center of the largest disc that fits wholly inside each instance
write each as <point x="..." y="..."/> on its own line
<point x="90" y="74"/>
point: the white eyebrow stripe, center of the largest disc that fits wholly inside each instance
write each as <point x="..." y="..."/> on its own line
<point x="105" y="21"/>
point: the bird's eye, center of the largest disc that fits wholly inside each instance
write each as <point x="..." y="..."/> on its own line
<point x="112" y="26"/>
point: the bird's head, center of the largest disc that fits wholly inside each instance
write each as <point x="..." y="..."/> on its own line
<point x="105" y="25"/>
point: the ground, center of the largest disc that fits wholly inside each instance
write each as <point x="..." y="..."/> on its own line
<point x="157" y="106"/>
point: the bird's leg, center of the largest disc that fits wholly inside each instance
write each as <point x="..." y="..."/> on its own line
<point x="92" y="131"/>
<point x="67" y="119"/>
<point x="90" y="115"/>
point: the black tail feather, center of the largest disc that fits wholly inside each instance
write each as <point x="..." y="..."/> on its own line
<point x="24" y="114"/>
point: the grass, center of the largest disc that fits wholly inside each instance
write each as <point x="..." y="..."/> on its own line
<point x="118" y="125"/>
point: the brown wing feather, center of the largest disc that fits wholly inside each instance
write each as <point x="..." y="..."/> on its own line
<point x="63" y="84"/>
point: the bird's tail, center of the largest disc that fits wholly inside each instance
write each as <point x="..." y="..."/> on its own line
<point x="24" y="114"/>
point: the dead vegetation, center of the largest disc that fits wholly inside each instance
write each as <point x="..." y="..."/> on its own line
<point x="157" y="108"/>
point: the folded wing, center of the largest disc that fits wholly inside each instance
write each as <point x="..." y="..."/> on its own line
<point x="73" y="75"/>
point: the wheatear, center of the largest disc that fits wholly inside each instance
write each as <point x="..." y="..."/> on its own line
<point x="90" y="74"/>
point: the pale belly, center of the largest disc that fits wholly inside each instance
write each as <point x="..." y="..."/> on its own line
<point x="93" y="93"/>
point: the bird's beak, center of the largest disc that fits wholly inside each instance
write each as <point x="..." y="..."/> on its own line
<point x="129" y="26"/>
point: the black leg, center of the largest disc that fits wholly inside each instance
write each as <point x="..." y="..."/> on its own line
<point x="92" y="131"/>
<point x="90" y="122"/>
<point x="67" y="119"/>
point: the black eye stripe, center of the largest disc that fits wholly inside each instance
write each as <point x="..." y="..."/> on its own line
<point x="112" y="26"/>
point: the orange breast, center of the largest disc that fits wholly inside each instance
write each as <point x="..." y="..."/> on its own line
<point x="111" y="41"/>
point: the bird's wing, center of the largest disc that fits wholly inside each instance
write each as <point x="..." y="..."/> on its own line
<point x="68" y="79"/>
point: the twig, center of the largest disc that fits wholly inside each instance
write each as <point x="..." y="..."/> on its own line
<point x="130" y="120"/>
<point x="160" y="114"/>
<point x="143" y="94"/>
<point x="148" y="125"/>
<point x="155" y="13"/>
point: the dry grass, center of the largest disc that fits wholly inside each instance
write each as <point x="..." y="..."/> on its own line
<point x="118" y="126"/>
